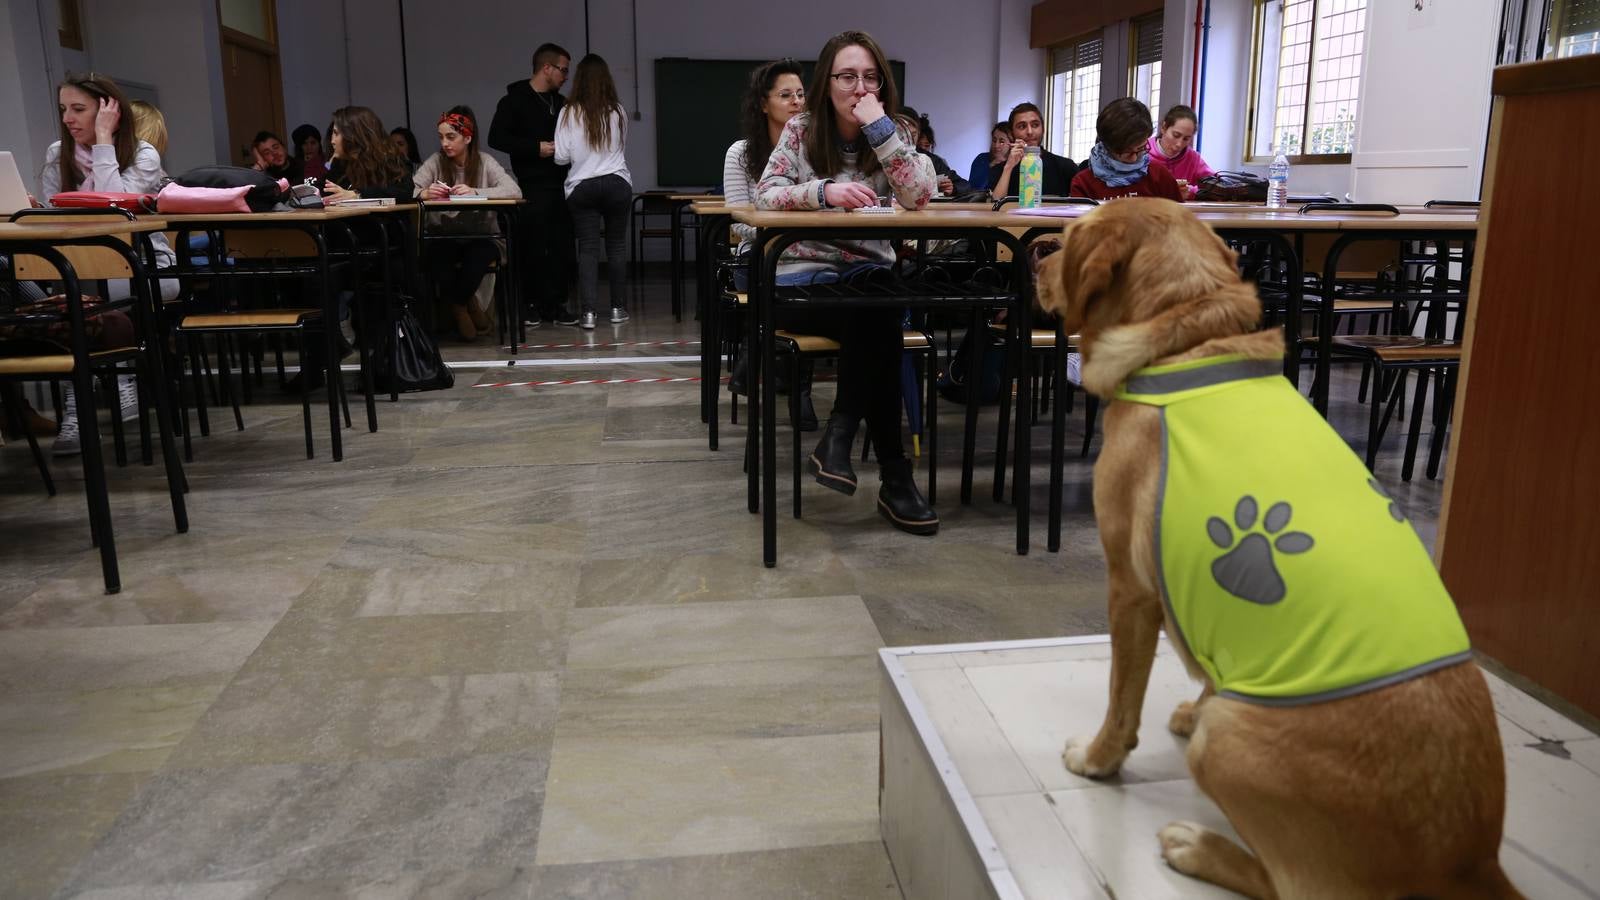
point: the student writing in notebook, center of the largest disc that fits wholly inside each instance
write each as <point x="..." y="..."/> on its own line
<point x="1119" y="164"/>
<point x="844" y="152"/>
<point x="460" y="169"/>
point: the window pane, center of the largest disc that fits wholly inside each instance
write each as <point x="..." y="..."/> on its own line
<point x="1086" y="108"/>
<point x="1337" y="74"/>
<point x="1293" y="55"/>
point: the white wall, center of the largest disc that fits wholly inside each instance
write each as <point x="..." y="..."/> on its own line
<point x="170" y="45"/>
<point x="1413" y="147"/>
<point x="964" y="64"/>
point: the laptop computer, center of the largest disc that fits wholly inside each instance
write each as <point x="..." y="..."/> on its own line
<point x="13" y="195"/>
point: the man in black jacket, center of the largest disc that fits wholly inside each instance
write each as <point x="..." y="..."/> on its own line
<point x="525" y="126"/>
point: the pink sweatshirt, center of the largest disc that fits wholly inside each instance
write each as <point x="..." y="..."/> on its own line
<point x="1186" y="166"/>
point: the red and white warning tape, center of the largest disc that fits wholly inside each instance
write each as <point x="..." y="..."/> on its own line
<point x="571" y="381"/>
<point x="606" y="346"/>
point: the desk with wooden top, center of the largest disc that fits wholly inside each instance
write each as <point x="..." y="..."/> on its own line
<point x="52" y="239"/>
<point x="678" y="203"/>
<point x="777" y="231"/>
<point x="314" y="224"/>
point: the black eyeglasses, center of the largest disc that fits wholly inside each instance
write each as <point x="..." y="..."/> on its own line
<point x="562" y="69"/>
<point x="848" y="80"/>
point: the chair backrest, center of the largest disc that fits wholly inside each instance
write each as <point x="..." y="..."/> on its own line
<point x="90" y="263"/>
<point x="1362" y="259"/>
<point x="275" y="243"/>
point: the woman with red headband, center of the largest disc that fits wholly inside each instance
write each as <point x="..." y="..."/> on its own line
<point x="459" y="168"/>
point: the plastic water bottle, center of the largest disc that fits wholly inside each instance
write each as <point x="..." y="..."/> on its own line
<point x="1278" y="181"/>
<point x="1030" y="181"/>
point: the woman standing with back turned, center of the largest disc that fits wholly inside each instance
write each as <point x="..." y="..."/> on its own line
<point x="589" y="137"/>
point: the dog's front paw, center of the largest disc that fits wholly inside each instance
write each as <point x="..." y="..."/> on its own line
<point x="1183" y="719"/>
<point x="1080" y="760"/>
<point x="1180" y="846"/>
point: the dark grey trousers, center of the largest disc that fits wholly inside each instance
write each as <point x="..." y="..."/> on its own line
<point x="595" y="200"/>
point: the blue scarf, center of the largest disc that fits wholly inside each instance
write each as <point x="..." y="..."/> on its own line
<point x="1114" y="172"/>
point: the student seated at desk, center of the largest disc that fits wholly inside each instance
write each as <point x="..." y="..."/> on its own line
<point x="1119" y="164"/>
<point x="1170" y="147"/>
<point x="150" y="126"/>
<point x="999" y="149"/>
<point x="365" y="161"/>
<point x="845" y="151"/>
<point x="461" y="169"/>
<point x="406" y="142"/>
<point x="99" y="151"/>
<point x="270" y="155"/>
<point x="949" y="181"/>
<point x="1027" y="130"/>
<point x="774" y="95"/>
<point x="309" y="161"/>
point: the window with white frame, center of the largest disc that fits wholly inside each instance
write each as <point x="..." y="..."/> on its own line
<point x="1307" y="84"/>
<point x="1144" y="63"/>
<point x="1074" y="97"/>
<point x="1577" y="27"/>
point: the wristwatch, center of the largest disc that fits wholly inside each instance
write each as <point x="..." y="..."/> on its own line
<point x="822" y="193"/>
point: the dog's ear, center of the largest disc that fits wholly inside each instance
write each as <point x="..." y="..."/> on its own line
<point x="1101" y="262"/>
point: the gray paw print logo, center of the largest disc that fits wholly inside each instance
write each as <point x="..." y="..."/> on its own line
<point x="1248" y="571"/>
<point x="1394" y="507"/>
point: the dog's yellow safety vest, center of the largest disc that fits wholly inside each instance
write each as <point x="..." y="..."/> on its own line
<point x="1291" y="575"/>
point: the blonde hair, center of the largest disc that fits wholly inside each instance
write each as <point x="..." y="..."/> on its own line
<point x="149" y="125"/>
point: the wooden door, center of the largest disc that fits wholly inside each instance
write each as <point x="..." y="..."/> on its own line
<point x="1520" y="528"/>
<point x="251" y="82"/>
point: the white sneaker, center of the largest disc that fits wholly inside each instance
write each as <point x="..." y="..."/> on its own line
<point x="618" y="315"/>
<point x="586" y="321"/>
<point x="68" y="442"/>
<point x="128" y="397"/>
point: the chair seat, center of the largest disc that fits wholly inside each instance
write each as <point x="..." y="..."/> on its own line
<point x="267" y="318"/>
<point x="1352" y="305"/>
<point x="807" y="343"/>
<point x="53" y="364"/>
<point x="1041" y="339"/>
<point x="1398" y="347"/>
<point x="914" y="340"/>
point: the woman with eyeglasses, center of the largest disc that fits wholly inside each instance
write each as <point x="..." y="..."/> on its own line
<point x="1119" y="164"/>
<point x="774" y="95"/>
<point x="844" y="152"/>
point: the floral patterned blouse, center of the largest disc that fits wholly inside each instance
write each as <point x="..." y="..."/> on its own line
<point x="791" y="183"/>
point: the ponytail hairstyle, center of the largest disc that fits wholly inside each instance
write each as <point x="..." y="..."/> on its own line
<point x="98" y="87"/>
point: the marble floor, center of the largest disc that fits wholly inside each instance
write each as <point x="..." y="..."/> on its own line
<point x="518" y="643"/>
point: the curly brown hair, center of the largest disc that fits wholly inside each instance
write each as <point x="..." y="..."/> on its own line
<point x="370" y="159"/>
<point x="753" y="122"/>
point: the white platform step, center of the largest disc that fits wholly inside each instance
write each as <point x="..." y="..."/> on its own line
<point x="974" y="801"/>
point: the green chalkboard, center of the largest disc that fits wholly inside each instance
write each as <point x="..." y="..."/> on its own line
<point x="697" y="115"/>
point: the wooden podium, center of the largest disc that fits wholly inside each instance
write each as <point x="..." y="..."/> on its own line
<point x="1519" y="535"/>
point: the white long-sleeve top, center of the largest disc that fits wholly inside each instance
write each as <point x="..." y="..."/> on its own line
<point x="572" y="148"/>
<point x="101" y="173"/>
<point x="738" y="188"/>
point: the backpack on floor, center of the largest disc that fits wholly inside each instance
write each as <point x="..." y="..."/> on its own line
<point x="409" y="360"/>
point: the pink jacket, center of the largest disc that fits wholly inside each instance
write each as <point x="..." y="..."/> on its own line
<point x="1186" y="166"/>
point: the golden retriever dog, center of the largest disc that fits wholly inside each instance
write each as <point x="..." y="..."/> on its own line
<point x="1396" y="790"/>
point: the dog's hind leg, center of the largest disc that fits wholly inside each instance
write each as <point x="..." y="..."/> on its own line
<point x="1201" y="853"/>
<point x="1184" y="716"/>
<point x="1135" y="625"/>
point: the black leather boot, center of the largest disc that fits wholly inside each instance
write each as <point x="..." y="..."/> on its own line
<point x="830" y="462"/>
<point x="901" y="503"/>
<point x="808" y="413"/>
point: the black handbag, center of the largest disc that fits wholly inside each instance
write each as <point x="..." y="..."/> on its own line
<point x="411" y="360"/>
<point x="1232" y="187"/>
<point x="264" y="191"/>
